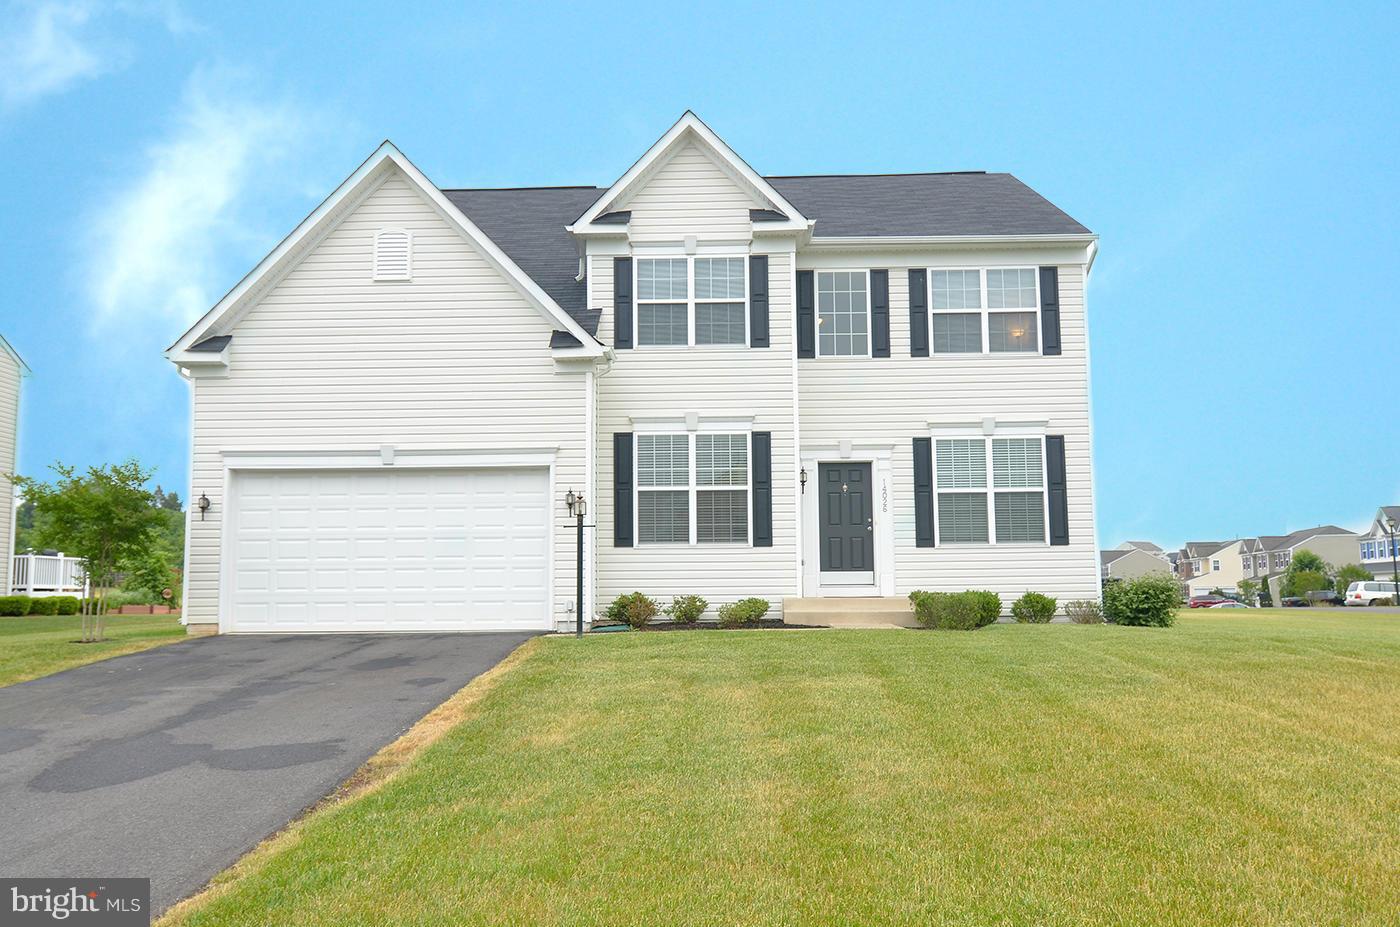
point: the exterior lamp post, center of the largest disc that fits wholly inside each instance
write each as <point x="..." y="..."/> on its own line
<point x="1392" y="527"/>
<point x="578" y="508"/>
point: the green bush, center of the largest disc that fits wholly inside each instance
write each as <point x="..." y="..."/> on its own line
<point x="1033" y="608"/>
<point x="745" y="611"/>
<point x="956" y="611"/>
<point x="1147" y="601"/>
<point x="65" y="604"/>
<point x="621" y="610"/>
<point x="1084" y="611"/>
<point x="14" y="606"/>
<point x="43" y="606"/>
<point x="686" y="609"/>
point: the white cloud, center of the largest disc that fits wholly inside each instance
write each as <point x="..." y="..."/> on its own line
<point x="47" y="53"/>
<point x="162" y="248"/>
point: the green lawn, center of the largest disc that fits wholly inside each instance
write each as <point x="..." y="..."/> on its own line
<point x="1240" y="768"/>
<point x="36" y="646"/>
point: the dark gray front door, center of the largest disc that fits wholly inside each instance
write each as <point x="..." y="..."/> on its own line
<point x="847" y="513"/>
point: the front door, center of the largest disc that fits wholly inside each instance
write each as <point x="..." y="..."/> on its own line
<point x="846" y="509"/>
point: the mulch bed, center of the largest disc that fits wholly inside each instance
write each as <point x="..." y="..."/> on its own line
<point x="763" y="623"/>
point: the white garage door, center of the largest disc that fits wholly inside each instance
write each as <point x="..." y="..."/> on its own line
<point x="388" y="550"/>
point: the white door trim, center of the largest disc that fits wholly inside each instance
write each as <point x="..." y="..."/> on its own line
<point x="382" y="458"/>
<point x="881" y="460"/>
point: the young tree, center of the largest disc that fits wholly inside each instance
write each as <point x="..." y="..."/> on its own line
<point x="105" y="516"/>
<point x="1351" y="573"/>
<point x="1249" y="590"/>
<point x="1307" y="572"/>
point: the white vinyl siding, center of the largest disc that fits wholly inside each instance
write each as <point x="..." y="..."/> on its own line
<point x="10" y="375"/>
<point x="329" y="360"/>
<point x="688" y="193"/>
<point x="843" y="399"/>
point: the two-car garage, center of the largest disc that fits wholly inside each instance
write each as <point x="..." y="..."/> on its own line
<point x="384" y="549"/>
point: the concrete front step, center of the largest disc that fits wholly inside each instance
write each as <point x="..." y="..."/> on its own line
<point x="862" y="612"/>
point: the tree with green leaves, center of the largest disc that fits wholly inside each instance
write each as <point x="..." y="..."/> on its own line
<point x="105" y="516"/>
<point x="1249" y="590"/>
<point x="1351" y="573"/>
<point x="1307" y="572"/>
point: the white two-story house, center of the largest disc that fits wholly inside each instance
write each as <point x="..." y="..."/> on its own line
<point x="815" y="386"/>
<point x="1379" y="547"/>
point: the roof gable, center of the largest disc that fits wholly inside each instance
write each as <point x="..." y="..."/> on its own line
<point x="689" y="130"/>
<point x="19" y="361"/>
<point x="385" y="161"/>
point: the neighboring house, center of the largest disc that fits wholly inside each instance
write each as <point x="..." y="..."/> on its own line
<point x="1146" y="546"/>
<point x="12" y="371"/>
<point x="1375" y="547"/>
<point x="1266" y="558"/>
<point x="1132" y="563"/>
<point x="1206" y="565"/>
<point x="762" y="386"/>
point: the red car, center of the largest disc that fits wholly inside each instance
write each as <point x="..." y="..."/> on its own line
<point x="1206" y="601"/>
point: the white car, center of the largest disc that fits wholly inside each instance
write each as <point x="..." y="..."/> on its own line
<point x="1229" y="605"/>
<point x="1368" y="591"/>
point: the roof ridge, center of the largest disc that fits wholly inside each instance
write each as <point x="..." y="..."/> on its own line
<point x="580" y="186"/>
<point x="887" y="174"/>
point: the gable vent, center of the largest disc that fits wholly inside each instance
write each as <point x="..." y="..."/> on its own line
<point x="393" y="255"/>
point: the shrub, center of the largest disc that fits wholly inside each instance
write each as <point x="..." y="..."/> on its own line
<point x="632" y="608"/>
<point x="745" y="611"/>
<point x="43" y="606"/>
<point x="14" y="606"/>
<point x="65" y="604"/>
<point x="1033" y="608"/>
<point x="1147" y="601"/>
<point x="955" y="611"/>
<point x="1084" y="611"/>
<point x="687" y="609"/>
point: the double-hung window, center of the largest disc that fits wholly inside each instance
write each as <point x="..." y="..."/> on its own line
<point x="843" y="313"/>
<point x="985" y="310"/>
<point x="692" y="300"/>
<point x="990" y="490"/>
<point x="693" y="488"/>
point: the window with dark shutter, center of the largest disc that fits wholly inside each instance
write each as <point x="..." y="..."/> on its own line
<point x="762" y="488"/>
<point x="758" y="301"/>
<point x="918" y="315"/>
<point x="806" y="314"/>
<point x="1057" y="485"/>
<point x="880" y="313"/>
<point x="923" y="492"/>
<point x="622" y="489"/>
<point x="1050" y="310"/>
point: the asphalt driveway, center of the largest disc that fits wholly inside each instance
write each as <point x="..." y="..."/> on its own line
<point x="171" y="764"/>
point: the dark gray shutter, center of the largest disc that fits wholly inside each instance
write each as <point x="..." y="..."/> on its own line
<point x="622" y="489"/>
<point x="1056" y="485"/>
<point x="806" y="314"/>
<point x="622" y="302"/>
<point x="879" y="313"/>
<point x="762" y="455"/>
<point x="923" y="492"/>
<point x="1050" y="310"/>
<point x="758" y="301"/>
<point x="918" y="314"/>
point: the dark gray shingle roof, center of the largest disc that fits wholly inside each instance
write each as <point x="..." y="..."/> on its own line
<point x="528" y="225"/>
<point x="923" y="204"/>
<point x="212" y="345"/>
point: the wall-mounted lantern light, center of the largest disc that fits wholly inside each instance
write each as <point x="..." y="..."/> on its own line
<point x="203" y="504"/>
<point x="802" y="478"/>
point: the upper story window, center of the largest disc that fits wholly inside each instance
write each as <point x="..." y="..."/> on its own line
<point x="990" y="490"/>
<point x="688" y="301"/>
<point x="1280" y="560"/>
<point x="393" y="255"/>
<point x="986" y="310"/>
<point x="1247" y="563"/>
<point x="692" y="488"/>
<point x="1215" y="566"/>
<point x="843" y="313"/>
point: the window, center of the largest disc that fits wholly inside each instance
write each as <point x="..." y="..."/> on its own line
<point x="995" y="497"/>
<point x="1280" y="561"/>
<point x="393" y="255"/>
<point x="1367" y="550"/>
<point x="843" y="314"/>
<point x="1005" y="322"/>
<point x="703" y="503"/>
<point x="1247" y="563"/>
<point x="685" y="301"/>
<point x="1261" y="563"/>
<point x="1215" y="565"/>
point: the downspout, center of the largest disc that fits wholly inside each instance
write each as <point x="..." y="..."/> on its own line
<point x="799" y="540"/>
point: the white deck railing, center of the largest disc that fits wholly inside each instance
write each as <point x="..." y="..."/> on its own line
<point x="42" y="575"/>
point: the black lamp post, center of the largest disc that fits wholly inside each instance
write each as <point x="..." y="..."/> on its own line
<point x="1392" y="527"/>
<point x="578" y="508"/>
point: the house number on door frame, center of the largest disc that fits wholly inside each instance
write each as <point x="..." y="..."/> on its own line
<point x="884" y="496"/>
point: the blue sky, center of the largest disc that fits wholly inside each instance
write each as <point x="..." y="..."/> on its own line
<point x="1240" y="166"/>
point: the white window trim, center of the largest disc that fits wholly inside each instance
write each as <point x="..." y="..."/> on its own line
<point x="985" y="311"/>
<point x="690" y="301"/>
<point x="408" y="257"/>
<point x="692" y="488"/>
<point x="817" y="312"/>
<point x="990" y="490"/>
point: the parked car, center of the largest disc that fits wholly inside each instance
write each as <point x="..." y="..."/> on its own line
<point x="1229" y="604"/>
<point x="1206" y="601"/>
<point x="1370" y="592"/>
<point x="1294" y="601"/>
<point x="1324" y="597"/>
